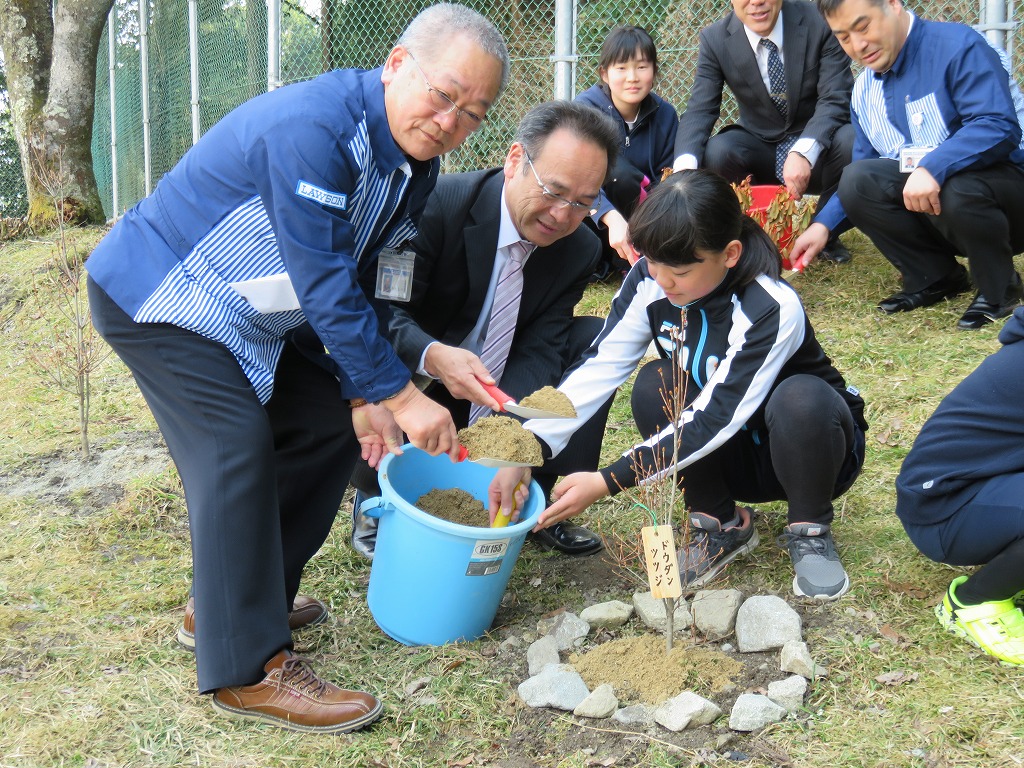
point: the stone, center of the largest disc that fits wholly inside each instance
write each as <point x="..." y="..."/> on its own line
<point x="511" y="643"/>
<point x="609" y="615"/>
<point x="766" y="622"/>
<point x="651" y="611"/>
<point x="714" y="611"/>
<point x="797" y="659"/>
<point x="752" y="711"/>
<point x="602" y="702"/>
<point x="541" y="653"/>
<point x="788" y="693"/>
<point x="558" y="686"/>
<point x="566" y="628"/>
<point x="686" y="710"/>
<point x="634" y="714"/>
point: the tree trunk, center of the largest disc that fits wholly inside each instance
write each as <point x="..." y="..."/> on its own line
<point x="51" y="67"/>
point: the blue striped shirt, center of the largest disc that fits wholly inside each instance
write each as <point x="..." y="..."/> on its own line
<point x="948" y="88"/>
<point x="306" y="182"/>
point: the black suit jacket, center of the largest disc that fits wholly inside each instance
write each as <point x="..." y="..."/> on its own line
<point x="818" y="82"/>
<point x="455" y="253"/>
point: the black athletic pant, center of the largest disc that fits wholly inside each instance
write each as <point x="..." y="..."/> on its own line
<point x="809" y="454"/>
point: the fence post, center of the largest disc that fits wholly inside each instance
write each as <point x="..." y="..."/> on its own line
<point x="147" y="156"/>
<point x="111" y="77"/>
<point x="273" y="44"/>
<point x="565" y="48"/>
<point x="193" y="66"/>
<point x="992" y="18"/>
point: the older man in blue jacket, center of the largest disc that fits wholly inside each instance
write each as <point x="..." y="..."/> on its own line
<point x="221" y="291"/>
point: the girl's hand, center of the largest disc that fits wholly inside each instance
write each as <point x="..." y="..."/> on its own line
<point x="573" y="495"/>
<point x="508" y="492"/>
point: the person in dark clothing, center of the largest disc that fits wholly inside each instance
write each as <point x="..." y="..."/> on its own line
<point x="647" y="124"/>
<point x="960" y="497"/>
<point x="766" y="416"/>
<point x="792" y="82"/>
<point x="220" y="292"/>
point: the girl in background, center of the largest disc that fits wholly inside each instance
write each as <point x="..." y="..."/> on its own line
<point x="628" y="69"/>
<point x="766" y="418"/>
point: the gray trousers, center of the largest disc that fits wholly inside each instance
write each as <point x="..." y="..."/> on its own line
<point x="263" y="483"/>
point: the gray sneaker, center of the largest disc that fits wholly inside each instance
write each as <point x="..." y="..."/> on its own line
<point x="711" y="548"/>
<point x="819" y="574"/>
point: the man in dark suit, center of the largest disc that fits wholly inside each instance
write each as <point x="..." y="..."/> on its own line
<point x="792" y="83"/>
<point x="551" y="180"/>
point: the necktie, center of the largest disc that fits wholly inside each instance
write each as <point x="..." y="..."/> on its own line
<point x="776" y="77"/>
<point x="501" y="326"/>
<point x="777" y="83"/>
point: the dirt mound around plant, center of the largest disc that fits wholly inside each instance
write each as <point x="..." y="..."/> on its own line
<point x="639" y="669"/>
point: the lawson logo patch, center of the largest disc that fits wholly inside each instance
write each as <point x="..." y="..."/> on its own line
<point x="320" y="195"/>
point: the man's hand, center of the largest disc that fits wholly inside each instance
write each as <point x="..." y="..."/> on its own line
<point x="808" y="246"/>
<point x="508" y="492"/>
<point x="921" y="193"/>
<point x="428" y="425"/>
<point x="377" y="432"/>
<point x="573" y="495"/>
<point x="618" y="236"/>
<point x="796" y="174"/>
<point x="461" y="373"/>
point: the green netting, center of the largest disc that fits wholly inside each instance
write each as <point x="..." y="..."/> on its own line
<point x="317" y="35"/>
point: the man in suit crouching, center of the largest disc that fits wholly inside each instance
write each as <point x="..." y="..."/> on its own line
<point x="792" y="83"/>
<point x="453" y="328"/>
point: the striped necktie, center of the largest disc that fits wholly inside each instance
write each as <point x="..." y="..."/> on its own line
<point x="501" y="326"/>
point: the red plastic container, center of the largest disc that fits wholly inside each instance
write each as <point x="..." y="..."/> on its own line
<point x="761" y="198"/>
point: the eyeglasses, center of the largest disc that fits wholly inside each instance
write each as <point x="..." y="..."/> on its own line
<point x="443" y="104"/>
<point x="559" y="202"/>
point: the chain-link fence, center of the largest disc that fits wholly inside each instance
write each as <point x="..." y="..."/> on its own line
<point x="146" y="49"/>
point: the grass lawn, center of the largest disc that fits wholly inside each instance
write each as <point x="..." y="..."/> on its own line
<point x="93" y="576"/>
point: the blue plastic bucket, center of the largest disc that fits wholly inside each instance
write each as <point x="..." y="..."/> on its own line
<point x="433" y="581"/>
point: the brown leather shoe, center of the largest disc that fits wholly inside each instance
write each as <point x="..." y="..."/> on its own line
<point x="292" y="696"/>
<point x="306" y="611"/>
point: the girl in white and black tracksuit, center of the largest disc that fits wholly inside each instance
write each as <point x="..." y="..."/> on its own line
<point x="767" y="417"/>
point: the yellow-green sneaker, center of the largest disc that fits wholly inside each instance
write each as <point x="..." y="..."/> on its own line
<point x="996" y="627"/>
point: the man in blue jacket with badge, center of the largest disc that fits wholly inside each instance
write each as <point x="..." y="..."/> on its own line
<point x="938" y="162"/>
<point x="221" y="291"/>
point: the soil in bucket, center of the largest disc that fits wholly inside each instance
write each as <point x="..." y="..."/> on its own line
<point x="455" y="506"/>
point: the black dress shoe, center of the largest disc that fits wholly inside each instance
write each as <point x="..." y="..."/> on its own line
<point x="982" y="311"/>
<point x="835" y="252"/>
<point x="364" y="529"/>
<point x="568" y="539"/>
<point x="952" y="285"/>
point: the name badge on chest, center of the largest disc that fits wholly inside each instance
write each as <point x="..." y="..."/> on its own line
<point x="911" y="156"/>
<point x="394" y="274"/>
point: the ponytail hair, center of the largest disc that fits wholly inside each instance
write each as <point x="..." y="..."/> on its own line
<point x="697" y="210"/>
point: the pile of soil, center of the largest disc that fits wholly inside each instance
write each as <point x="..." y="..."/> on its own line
<point x="501" y="437"/>
<point x="550" y="399"/>
<point x="456" y="506"/>
<point x="639" y="669"/>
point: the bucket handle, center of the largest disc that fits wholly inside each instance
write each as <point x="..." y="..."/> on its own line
<point x="372" y="507"/>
